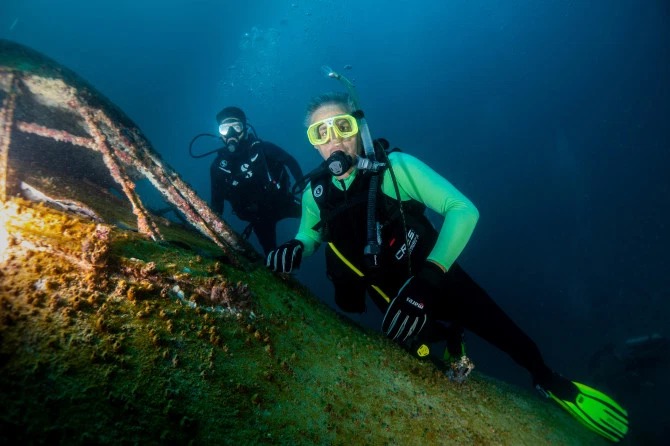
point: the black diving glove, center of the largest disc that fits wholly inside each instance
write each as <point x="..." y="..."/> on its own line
<point x="408" y="312"/>
<point x="286" y="257"/>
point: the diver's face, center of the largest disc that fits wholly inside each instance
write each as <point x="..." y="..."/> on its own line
<point x="231" y="131"/>
<point x="350" y="145"/>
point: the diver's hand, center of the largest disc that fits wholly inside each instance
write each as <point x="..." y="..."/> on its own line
<point x="408" y="312"/>
<point x="286" y="257"/>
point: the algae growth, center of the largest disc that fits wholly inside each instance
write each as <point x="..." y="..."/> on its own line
<point x="107" y="337"/>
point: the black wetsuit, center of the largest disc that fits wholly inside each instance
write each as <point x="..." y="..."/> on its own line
<point x="254" y="179"/>
<point x="463" y="303"/>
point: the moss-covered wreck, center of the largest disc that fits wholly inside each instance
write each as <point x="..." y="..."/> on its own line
<point x="111" y="335"/>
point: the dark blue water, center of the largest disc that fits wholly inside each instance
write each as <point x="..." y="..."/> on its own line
<point x="551" y="116"/>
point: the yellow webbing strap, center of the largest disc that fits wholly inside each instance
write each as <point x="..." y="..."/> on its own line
<point x="357" y="271"/>
<point x="422" y="350"/>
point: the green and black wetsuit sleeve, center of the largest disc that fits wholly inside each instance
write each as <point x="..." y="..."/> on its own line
<point x="416" y="180"/>
<point x="310" y="238"/>
<point x="419" y="182"/>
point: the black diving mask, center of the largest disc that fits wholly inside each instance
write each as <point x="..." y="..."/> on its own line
<point x="231" y="134"/>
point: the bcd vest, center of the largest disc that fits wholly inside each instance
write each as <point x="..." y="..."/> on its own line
<point x="344" y="226"/>
<point x="253" y="184"/>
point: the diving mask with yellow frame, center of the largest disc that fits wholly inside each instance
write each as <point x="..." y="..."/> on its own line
<point x="340" y="126"/>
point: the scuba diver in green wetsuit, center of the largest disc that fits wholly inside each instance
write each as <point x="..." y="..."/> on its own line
<point x="369" y="209"/>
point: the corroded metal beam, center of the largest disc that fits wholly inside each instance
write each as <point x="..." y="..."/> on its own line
<point x="6" y="120"/>
<point x="56" y="125"/>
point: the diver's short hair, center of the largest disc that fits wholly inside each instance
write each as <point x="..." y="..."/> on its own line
<point x="335" y="98"/>
<point x="231" y="112"/>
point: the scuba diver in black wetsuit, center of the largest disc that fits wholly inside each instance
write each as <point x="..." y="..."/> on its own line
<point x="252" y="175"/>
<point x="369" y="209"/>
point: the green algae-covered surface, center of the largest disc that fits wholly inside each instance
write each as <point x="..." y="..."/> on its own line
<point x="108" y="338"/>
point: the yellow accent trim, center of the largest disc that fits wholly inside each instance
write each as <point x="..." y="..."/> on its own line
<point x="381" y="293"/>
<point x="423" y="350"/>
<point x="333" y="131"/>
<point x="344" y="259"/>
<point x="357" y="271"/>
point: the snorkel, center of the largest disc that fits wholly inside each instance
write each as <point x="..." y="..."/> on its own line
<point x="368" y="146"/>
<point x="372" y="250"/>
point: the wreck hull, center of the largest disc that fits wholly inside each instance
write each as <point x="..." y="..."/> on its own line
<point x="109" y="335"/>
